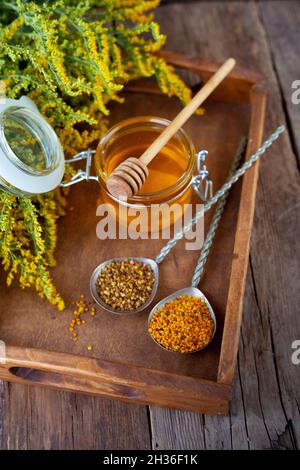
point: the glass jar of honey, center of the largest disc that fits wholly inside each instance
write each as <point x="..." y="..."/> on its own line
<point x="171" y="173"/>
<point x="32" y="162"/>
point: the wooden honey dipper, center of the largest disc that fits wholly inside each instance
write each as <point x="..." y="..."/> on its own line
<point x="127" y="179"/>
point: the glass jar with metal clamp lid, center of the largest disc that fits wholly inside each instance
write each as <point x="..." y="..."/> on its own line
<point x="173" y="176"/>
<point x="32" y="160"/>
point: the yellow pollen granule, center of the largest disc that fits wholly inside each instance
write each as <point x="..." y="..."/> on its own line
<point x="182" y="325"/>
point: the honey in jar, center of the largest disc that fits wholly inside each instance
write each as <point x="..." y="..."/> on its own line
<point x="170" y="172"/>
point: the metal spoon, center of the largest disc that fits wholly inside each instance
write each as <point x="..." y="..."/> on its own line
<point x="179" y="235"/>
<point x="187" y="291"/>
<point x="96" y="274"/>
<point x="193" y="291"/>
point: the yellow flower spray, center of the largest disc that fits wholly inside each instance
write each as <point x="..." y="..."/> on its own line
<point x="71" y="57"/>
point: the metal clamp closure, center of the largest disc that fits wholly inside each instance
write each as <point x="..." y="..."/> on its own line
<point x="81" y="175"/>
<point x="201" y="182"/>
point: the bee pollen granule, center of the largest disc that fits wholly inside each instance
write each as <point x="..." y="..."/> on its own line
<point x="125" y="285"/>
<point x="182" y="325"/>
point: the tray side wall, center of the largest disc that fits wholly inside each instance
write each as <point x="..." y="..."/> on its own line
<point x="114" y="380"/>
<point x="234" y="308"/>
<point x="137" y="384"/>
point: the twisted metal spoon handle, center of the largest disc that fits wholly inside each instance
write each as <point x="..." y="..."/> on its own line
<point x="226" y="186"/>
<point x="216" y="219"/>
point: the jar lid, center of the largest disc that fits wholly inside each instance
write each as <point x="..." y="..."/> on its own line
<point x="31" y="157"/>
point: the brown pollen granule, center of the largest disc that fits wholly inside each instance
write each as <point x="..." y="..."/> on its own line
<point x="125" y="285"/>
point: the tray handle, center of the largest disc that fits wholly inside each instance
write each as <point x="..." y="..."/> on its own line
<point x="95" y="376"/>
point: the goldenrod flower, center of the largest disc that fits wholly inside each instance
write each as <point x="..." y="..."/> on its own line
<point x="71" y="58"/>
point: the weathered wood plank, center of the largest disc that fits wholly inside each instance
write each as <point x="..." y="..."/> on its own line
<point x="264" y="412"/>
<point x="282" y="25"/>
<point x="39" y="418"/>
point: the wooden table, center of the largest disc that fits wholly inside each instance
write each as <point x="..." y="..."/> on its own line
<point x="263" y="36"/>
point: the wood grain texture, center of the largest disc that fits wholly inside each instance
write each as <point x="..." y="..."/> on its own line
<point x="242" y="245"/>
<point x="282" y="26"/>
<point x="40" y="418"/>
<point x="113" y="379"/>
<point x="265" y="411"/>
<point x="123" y="367"/>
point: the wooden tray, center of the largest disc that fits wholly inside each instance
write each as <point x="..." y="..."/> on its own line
<point x="125" y="362"/>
